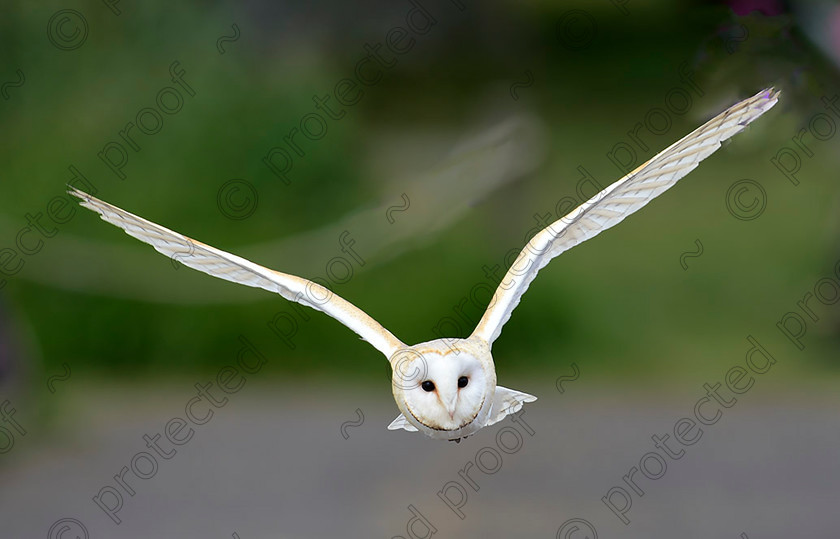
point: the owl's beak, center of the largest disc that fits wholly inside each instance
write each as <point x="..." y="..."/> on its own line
<point x="450" y="405"/>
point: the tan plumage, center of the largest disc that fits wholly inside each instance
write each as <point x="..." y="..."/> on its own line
<point x="446" y="388"/>
<point x="232" y="268"/>
<point x="613" y="204"/>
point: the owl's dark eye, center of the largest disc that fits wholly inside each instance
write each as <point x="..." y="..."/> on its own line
<point x="463" y="381"/>
<point x="428" y="386"/>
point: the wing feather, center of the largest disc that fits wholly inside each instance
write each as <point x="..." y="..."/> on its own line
<point x="614" y="203"/>
<point x="232" y="268"/>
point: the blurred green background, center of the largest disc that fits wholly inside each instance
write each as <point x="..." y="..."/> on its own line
<point x="107" y="305"/>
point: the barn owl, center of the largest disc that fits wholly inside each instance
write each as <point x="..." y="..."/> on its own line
<point x="446" y="388"/>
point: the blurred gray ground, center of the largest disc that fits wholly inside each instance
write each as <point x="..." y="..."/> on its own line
<point x="273" y="463"/>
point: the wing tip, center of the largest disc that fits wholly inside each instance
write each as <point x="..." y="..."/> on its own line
<point x="767" y="98"/>
<point x="86" y="200"/>
<point x="77" y="192"/>
<point x="751" y="108"/>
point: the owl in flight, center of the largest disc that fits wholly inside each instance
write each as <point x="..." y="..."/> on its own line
<point x="446" y="388"/>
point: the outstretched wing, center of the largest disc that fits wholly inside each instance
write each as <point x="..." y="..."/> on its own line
<point x="230" y="267"/>
<point x="610" y="206"/>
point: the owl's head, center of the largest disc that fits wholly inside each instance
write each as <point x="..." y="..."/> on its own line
<point x="443" y="385"/>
